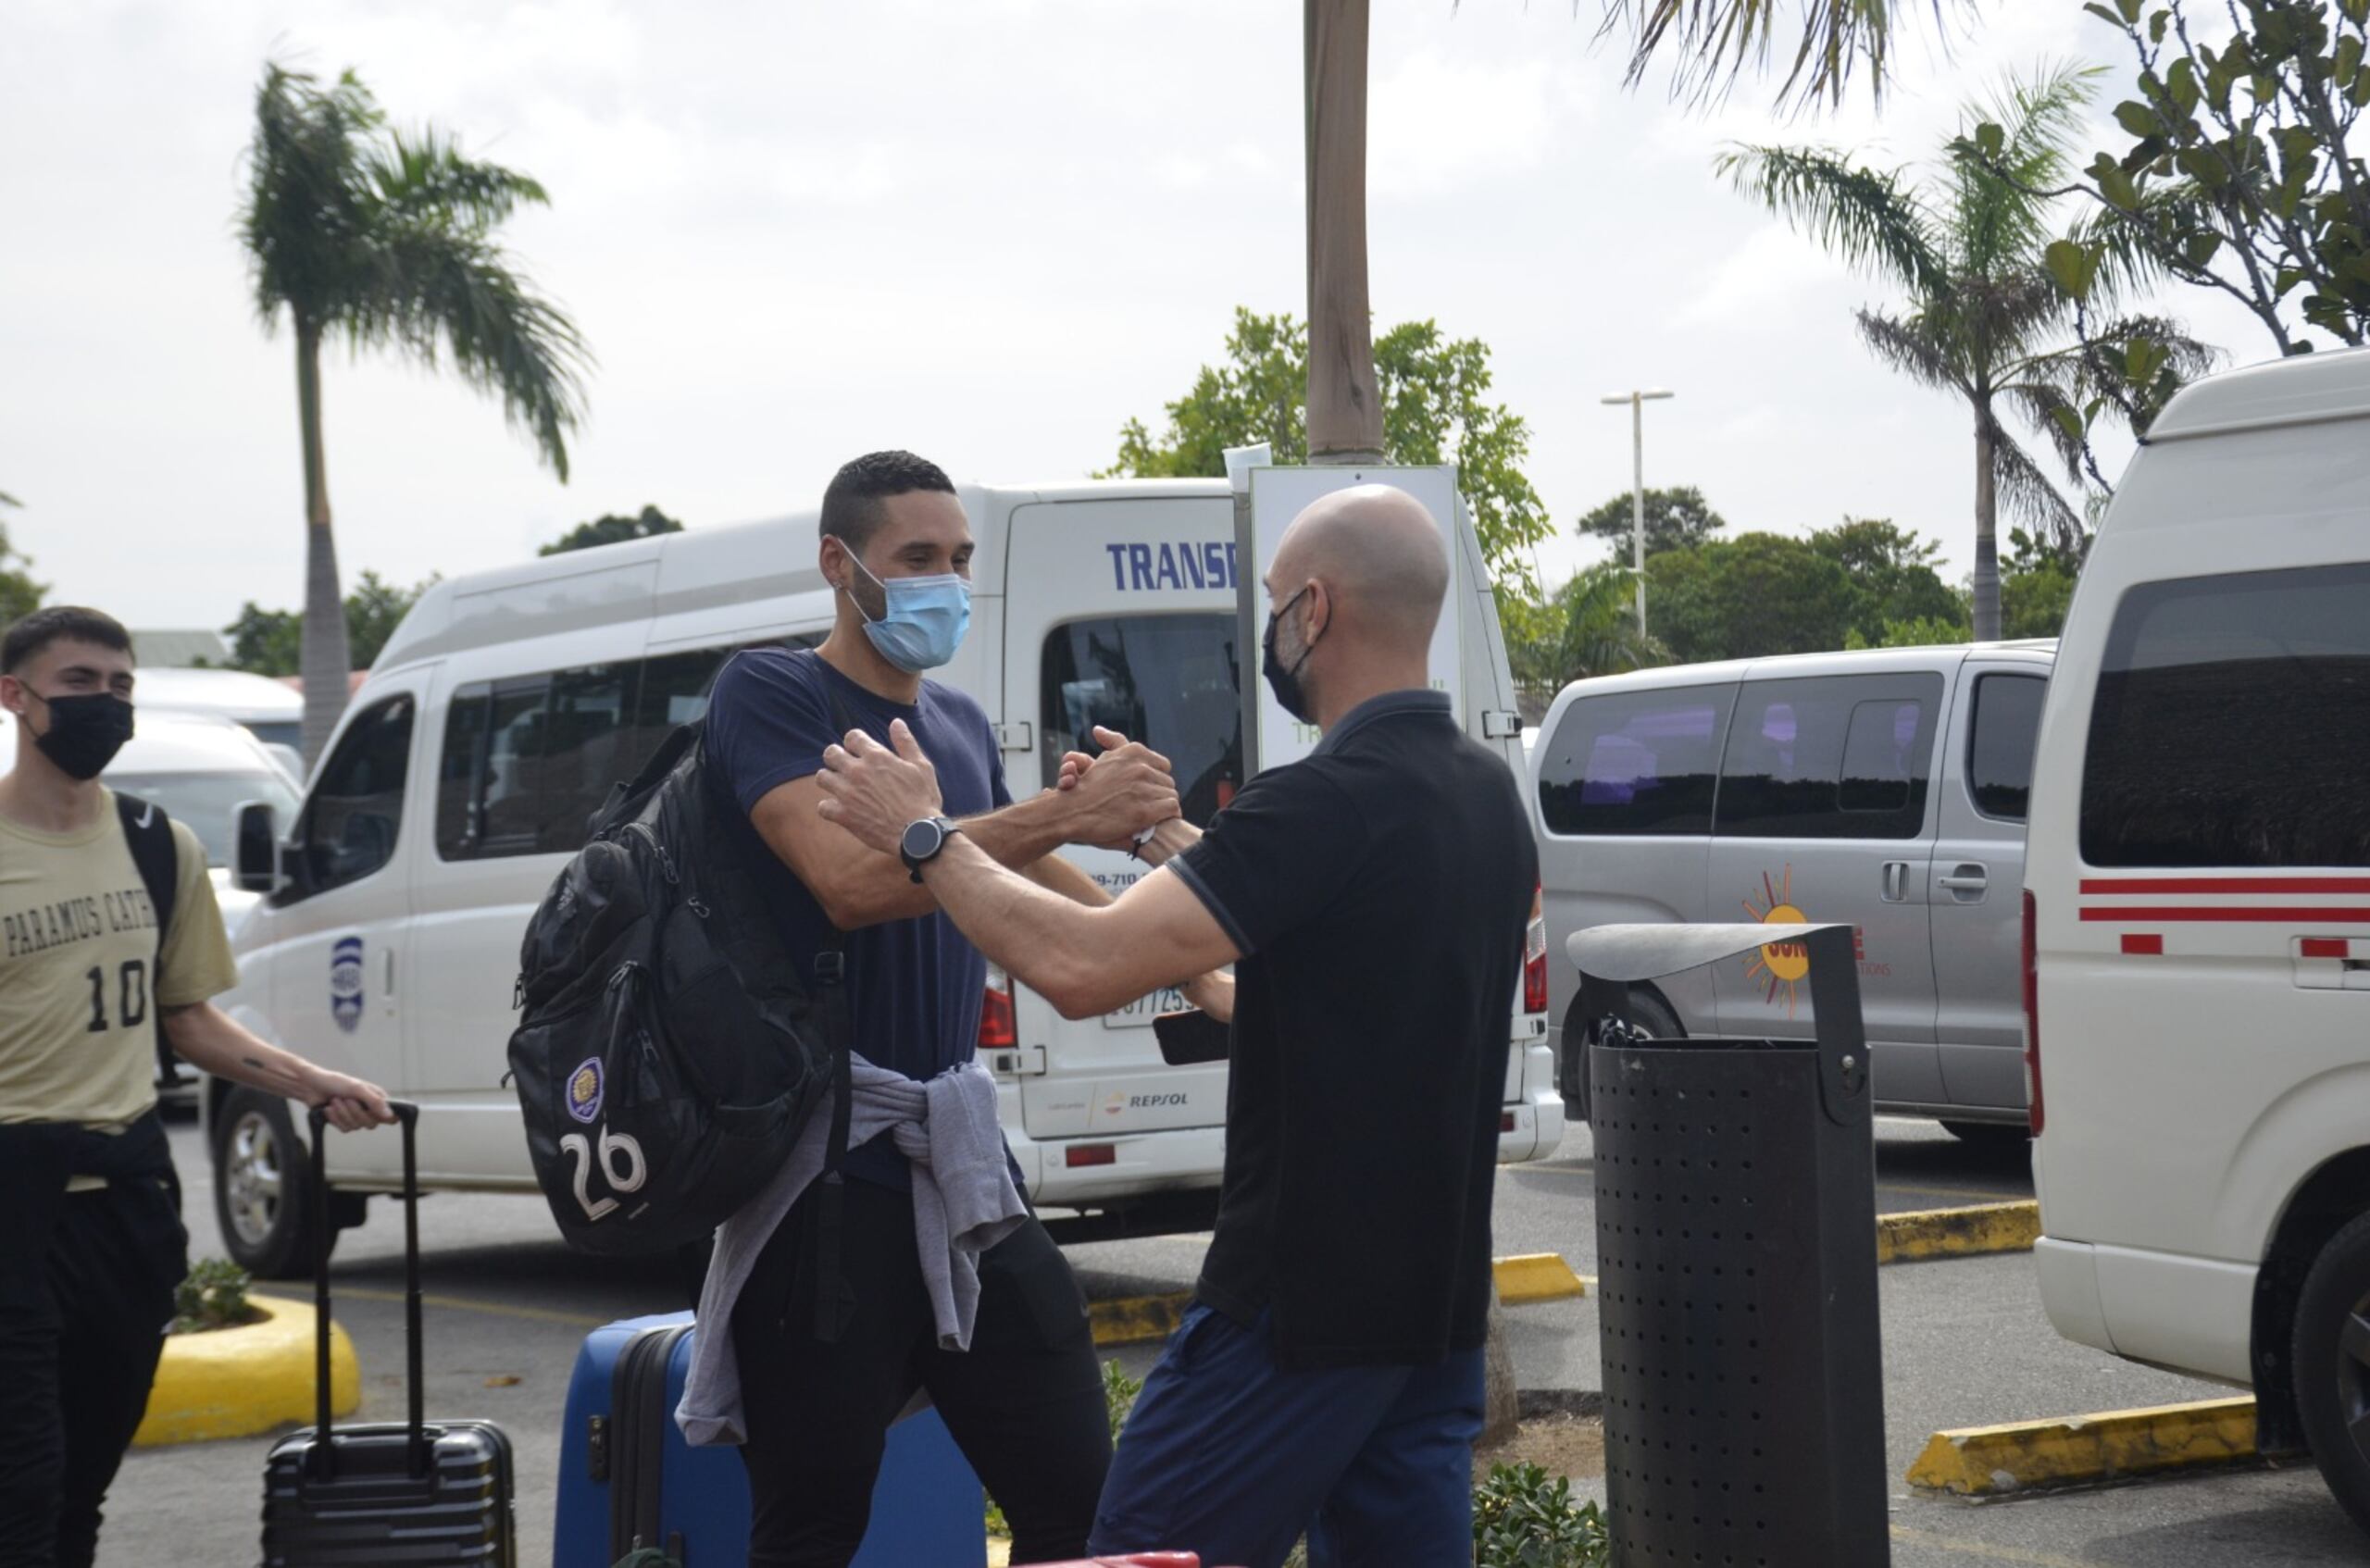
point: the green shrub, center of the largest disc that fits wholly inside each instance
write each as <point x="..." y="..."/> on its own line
<point x="1525" y="1518"/>
<point x="214" y="1295"/>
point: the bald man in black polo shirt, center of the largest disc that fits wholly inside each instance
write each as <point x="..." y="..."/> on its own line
<point x="1328" y="1375"/>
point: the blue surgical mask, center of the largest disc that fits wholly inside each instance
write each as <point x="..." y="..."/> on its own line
<point x="924" y="620"/>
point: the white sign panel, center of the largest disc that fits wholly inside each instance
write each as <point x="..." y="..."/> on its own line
<point x="1277" y="495"/>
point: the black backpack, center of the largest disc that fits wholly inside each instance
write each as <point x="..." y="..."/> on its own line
<point x="667" y="1054"/>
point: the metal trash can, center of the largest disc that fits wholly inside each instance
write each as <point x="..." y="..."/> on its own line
<point x="1736" y="1259"/>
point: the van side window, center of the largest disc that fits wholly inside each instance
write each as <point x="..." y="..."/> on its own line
<point x="1170" y="681"/>
<point x="2000" y="743"/>
<point x="1635" y="763"/>
<point x="528" y="760"/>
<point x="1829" y="757"/>
<point x="2231" y="725"/>
<point x="356" y="805"/>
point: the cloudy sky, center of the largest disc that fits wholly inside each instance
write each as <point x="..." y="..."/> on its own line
<point x="988" y="230"/>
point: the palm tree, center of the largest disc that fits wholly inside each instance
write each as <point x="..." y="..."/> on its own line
<point x="1589" y="627"/>
<point x="385" y="238"/>
<point x="1986" y="319"/>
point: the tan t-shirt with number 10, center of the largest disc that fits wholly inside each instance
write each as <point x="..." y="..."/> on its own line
<point x="79" y="983"/>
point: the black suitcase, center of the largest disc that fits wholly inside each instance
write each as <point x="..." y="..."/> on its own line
<point x="410" y="1494"/>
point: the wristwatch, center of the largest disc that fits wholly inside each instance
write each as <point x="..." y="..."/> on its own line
<point x="922" y="839"/>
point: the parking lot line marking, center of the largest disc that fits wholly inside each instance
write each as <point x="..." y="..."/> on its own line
<point x="1985" y="1549"/>
<point x="1980" y="1460"/>
<point x="1957" y="1233"/>
<point x="492" y="1309"/>
<point x="1536" y="1276"/>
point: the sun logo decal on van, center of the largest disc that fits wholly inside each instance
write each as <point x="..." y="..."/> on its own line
<point x="1783" y="966"/>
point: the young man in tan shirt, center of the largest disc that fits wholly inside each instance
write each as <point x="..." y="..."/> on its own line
<point x="91" y="1239"/>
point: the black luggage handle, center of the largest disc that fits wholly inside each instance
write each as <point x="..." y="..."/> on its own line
<point x="323" y="1456"/>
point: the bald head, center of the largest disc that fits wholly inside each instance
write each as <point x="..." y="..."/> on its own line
<point x="1382" y="560"/>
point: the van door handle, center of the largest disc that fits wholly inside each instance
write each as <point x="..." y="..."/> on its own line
<point x="388" y="970"/>
<point x="1969" y="881"/>
<point x="1896" y="882"/>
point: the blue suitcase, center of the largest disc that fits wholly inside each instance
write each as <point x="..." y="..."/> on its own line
<point x="629" y="1482"/>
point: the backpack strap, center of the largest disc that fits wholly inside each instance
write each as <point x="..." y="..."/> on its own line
<point x="838" y="1031"/>
<point x="149" y="834"/>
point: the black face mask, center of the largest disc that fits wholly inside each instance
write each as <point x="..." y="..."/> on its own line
<point x="85" y="732"/>
<point x="1285" y="683"/>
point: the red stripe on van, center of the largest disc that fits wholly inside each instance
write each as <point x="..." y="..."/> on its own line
<point x="2112" y="884"/>
<point x="2147" y="943"/>
<point x="2302" y="914"/>
<point x="2325" y="947"/>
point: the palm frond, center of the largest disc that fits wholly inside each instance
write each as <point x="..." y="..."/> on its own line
<point x="424" y="177"/>
<point x="1915" y="346"/>
<point x="1870" y="217"/>
<point x="2001" y="222"/>
<point x="1717" y="40"/>
<point x="2045" y="405"/>
<point x="300" y="216"/>
<point x="2026" y="494"/>
<point x="437" y="290"/>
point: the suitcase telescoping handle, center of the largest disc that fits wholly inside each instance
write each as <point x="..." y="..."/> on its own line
<point x="407" y="1117"/>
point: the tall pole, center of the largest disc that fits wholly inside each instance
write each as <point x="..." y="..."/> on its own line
<point x="1636" y="401"/>
<point x="1344" y="413"/>
<point x="1638" y="502"/>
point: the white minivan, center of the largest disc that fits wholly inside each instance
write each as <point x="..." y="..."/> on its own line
<point x="1882" y="786"/>
<point x="508" y="701"/>
<point x="2197" y="913"/>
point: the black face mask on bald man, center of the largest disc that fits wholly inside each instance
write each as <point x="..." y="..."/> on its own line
<point x="1285" y="683"/>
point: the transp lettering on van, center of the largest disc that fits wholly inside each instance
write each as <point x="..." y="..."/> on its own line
<point x="1152" y="568"/>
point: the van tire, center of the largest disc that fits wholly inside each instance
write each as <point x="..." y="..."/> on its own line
<point x="263" y="1189"/>
<point x="2331" y="1364"/>
<point x="1647" y="1010"/>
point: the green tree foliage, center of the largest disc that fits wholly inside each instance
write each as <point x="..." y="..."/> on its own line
<point x="1674" y="519"/>
<point x="613" y="529"/>
<point x="2236" y="173"/>
<point x="1864" y="582"/>
<point x="19" y="594"/>
<point x="387" y="240"/>
<point x="1434" y="410"/>
<point x="1743" y="597"/>
<point x="1986" y="318"/>
<point x="1893" y="579"/>
<point x="2037" y="585"/>
<point x="1587" y="627"/>
<point x="272" y="641"/>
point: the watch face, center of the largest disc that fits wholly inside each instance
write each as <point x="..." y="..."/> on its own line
<point x="922" y="839"/>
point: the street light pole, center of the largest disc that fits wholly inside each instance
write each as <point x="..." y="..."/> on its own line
<point x="1637" y="402"/>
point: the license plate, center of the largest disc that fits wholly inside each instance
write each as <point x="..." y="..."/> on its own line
<point x="1138" y="1014"/>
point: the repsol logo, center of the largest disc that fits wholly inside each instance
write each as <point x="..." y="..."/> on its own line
<point x="1144" y="568"/>
<point x="1154" y="1101"/>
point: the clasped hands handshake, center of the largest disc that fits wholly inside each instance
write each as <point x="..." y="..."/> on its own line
<point x="874" y="790"/>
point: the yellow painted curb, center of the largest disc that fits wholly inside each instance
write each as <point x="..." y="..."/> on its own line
<point x="999" y="1551"/>
<point x="1957" y="1233"/>
<point x="1983" y="1460"/>
<point x="1137" y="1320"/>
<point x="1536" y="1276"/>
<point x="237" y="1382"/>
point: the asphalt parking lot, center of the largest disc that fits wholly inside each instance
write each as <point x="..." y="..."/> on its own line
<point x="1965" y="1344"/>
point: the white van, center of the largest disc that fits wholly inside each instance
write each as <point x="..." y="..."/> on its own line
<point x="507" y="703"/>
<point x="269" y="709"/>
<point x="1884" y="786"/>
<point x="2197" y="913"/>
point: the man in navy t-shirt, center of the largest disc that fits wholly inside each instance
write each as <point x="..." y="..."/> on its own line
<point x="1025" y="1402"/>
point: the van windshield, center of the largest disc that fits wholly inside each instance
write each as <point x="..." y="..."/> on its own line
<point x="1170" y="681"/>
<point x="205" y="800"/>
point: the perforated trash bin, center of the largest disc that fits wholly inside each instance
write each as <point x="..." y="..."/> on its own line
<point x="1736" y="1250"/>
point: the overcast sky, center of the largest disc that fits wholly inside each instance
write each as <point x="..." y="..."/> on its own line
<point x="988" y="230"/>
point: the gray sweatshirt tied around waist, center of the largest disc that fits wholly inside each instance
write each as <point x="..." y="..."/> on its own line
<point x="964" y="1204"/>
